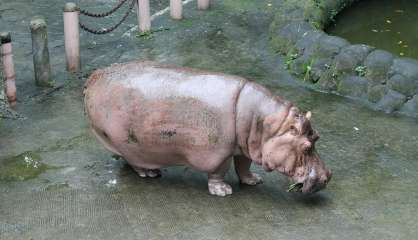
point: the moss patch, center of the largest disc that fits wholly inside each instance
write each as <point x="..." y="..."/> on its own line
<point x="22" y="167"/>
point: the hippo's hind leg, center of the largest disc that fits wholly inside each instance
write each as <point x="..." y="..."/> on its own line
<point x="242" y="168"/>
<point x="147" y="173"/>
<point x="216" y="184"/>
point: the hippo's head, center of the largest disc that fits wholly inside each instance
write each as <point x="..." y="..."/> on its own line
<point x="288" y="146"/>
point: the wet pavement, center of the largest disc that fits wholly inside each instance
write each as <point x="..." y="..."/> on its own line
<point x="57" y="182"/>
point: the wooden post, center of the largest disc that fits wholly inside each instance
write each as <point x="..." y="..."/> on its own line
<point x="40" y="52"/>
<point x="203" y="4"/>
<point x="144" y="19"/>
<point x="72" y="37"/>
<point x="176" y="9"/>
<point x="8" y="68"/>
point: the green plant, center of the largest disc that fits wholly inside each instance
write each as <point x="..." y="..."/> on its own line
<point x="290" y="58"/>
<point x="316" y="24"/>
<point x="333" y="13"/>
<point x="361" y="70"/>
<point x="317" y="3"/>
<point x="149" y="34"/>
<point x="308" y="70"/>
<point x="145" y="35"/>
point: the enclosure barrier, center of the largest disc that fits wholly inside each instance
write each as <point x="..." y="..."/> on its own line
<point x="176" y="9"/>
<point x="72" y="24"/>
<point x="40" y="52"/>
<point x="203" y="4"/>
<point x="72" y="37"/>
<point x="144" y="18"/>
<point x="8" y="67"/>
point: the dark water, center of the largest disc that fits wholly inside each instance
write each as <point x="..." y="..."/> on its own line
<point x="391" y="25"/>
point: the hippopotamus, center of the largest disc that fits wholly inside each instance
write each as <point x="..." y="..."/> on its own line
<point x="155" y="116"/>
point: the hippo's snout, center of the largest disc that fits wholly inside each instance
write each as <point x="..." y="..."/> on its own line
<point x="316" y="183"/>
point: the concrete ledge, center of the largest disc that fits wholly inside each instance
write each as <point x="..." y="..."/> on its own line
<point x="329" y="63"/>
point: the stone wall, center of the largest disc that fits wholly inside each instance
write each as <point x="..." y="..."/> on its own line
<point x="329" y="63"/>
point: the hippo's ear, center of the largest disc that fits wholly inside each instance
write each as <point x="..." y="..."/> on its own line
<point x="308" y="115"/>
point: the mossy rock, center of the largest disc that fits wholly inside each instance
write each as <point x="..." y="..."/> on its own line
<point x="378" y="63"/>
<point x="330" y="46"/>
<point x="407" y="67"/>
<point x="411" y="107"/>
<point x="376" y="92"/>
<point x="391" y="102"/>
<point x="308" y="43"/>
<point x="319" y="67"/>
<point x="404" y="85"/>
<point x="351" y="57"/>
<point x="328" y="81"/>
<point x="285" y="37"/>
<point x="353" y="86"/>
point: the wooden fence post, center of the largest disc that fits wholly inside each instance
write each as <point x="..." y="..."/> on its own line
<point x="72" y="37"/>
<point x="40" y="52"/>
<point x="176" y="9"/>
<point x="203" y="4"/>
<point x="8" y="68"/>
<point x="144" y="19"/>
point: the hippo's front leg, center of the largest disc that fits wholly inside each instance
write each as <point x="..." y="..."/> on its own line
<point x="216" y="183"/>
<point x="242" y="168"/>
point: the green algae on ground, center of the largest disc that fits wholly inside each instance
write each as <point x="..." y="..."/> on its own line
<point x="22" y="167"/>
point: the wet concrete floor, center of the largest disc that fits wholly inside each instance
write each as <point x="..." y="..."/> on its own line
<point x="57" y="182"/>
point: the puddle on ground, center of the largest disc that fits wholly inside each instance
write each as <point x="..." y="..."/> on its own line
<point x="386" y="24"/>
<point x="22" y="167"/>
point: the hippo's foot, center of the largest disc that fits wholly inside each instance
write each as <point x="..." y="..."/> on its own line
<point x="251" y="179"/>
<point x="148" y="173"/>
<point x="219" y="188"/>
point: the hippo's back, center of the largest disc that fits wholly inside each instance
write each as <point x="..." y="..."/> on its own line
<point x="146" y="111"/>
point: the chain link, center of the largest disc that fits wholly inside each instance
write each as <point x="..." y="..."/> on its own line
<point x="104" y="31"/>
<point x="105" y="14"/>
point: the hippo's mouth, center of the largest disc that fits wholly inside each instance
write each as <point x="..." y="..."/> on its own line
<point x="295" y="187"/>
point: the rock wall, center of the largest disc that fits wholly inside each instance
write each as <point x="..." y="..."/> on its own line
<point x="329" y="63"/>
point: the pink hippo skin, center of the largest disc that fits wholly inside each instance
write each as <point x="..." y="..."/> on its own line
<point x="156" y="116"/>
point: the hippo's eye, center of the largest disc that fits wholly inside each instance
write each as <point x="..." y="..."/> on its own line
<point x="293" y="130"/>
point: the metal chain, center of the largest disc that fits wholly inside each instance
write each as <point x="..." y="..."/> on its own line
<point x="104" y="31"/>
<point x="105" y="14"/>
